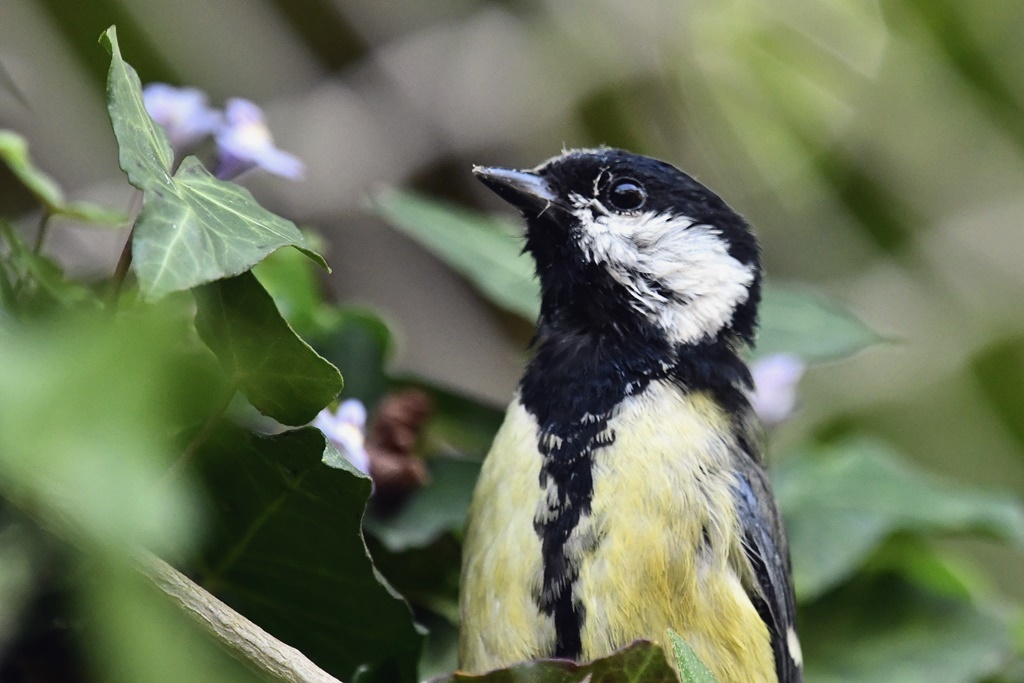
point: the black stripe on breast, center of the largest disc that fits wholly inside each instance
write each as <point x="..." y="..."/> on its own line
<point x="572" y="387"/>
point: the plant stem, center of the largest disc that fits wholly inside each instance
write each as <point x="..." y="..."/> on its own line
<point x="122" y="268"/>
<point x="246" y="640"/>
<point x="125" y="260"/>
<point x="44" y="225"/>
<point x="24" y="274"/>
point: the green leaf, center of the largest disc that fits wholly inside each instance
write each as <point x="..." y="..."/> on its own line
<point x="286" y="551"/>
<point x="918" y="561"/>
<point x="691" y="668"/>
<point x="83" y="428"/>
<point x="193" y="228"/>
<point x="43" y="273"/>
<point x="144" y="152"/>
<point x="281" y="375"/>
<point x="14" y="152"/>
<point x="840" y="504"/>
<point x="486" y="251"/>
<point x="201" y="229"/>
<point x="798" y="322"/>
<point x="641" y="662"/>
<point x="291" y="280"/>
<point x="358" y="342"/>
<point x="431" y="511"/>
<point x="885" y="629"/>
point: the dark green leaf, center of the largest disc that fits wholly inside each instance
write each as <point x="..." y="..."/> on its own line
<point x="193" y="228"/>
<point x="291" y="280"/>
<point x="691" y="668"/>
<point x="428" y="576"/>
<point x="281" y="375"/>
<point x="842" y="503"/>
<point x="358" y="342"/>
<point x="286" y="551"/>
<point x="887" y="630"/>
<point x="486" y="251"/>
<point x="917" y="560"/>
<point x="641" y="662"/>
<point x="798" y="322"/>
<point x="439" y="507"/>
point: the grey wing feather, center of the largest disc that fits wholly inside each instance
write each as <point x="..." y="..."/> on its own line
<point x="764" y="541"/>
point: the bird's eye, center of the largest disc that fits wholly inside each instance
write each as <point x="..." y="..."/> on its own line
<point x="626" y="194"/>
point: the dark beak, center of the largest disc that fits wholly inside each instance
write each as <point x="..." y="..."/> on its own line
<point x="524" y="190"/>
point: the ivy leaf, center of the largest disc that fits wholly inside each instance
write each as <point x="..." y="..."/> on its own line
<point x="798" y="322"/>
<point x="14" y="152"/>
<point x="641" y="662"/>
<point x="280" y="374"/>
<point x="144" y="153"/>
<point x="286" y="551"/>
<point x="193" y="228"/>
<point x="841" y="504"/>
<point x="486" y="251"/>
<point x="691" y="668"/>
<point x="205" y="229"/>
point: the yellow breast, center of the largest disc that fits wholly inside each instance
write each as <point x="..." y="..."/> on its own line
<point x="660" y="547"/>
<point x="669" y="554"/>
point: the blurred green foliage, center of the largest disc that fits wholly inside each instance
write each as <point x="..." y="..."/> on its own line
<point x="878" y="146"/>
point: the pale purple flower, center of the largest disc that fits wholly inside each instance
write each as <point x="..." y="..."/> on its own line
<point x="345" y="428"/>
<point x="775" y="381"/>
<point x="244" y="142"/>
<point x="184" y="113"/>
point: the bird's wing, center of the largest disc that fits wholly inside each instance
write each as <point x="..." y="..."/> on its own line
<point x="764" y="542"/>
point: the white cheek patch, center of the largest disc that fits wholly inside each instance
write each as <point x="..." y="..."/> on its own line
<point x="702" y="283"/>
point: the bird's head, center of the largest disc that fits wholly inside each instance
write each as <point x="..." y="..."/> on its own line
<point x="623" y="241"/>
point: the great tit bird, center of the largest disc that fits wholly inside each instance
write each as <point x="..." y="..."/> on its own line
<point x="625" y="492"/>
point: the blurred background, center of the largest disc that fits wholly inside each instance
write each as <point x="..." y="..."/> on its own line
<point x="876" y="146"/>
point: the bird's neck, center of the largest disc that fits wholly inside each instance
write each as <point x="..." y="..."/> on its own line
<point x="578" y="371"/>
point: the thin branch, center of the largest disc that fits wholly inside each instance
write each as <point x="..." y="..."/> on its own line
<point x="125" y="260"/>
<point x="121" y="271"/>
<point x="244" y="639"/>
<point x="44" y="225"/>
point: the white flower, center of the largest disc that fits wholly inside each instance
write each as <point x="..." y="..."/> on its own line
<point x="244" y="142"/>
<point x="184" y="113"/>
<point x="346" y="428"/>
<point x="775" y="381"/>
